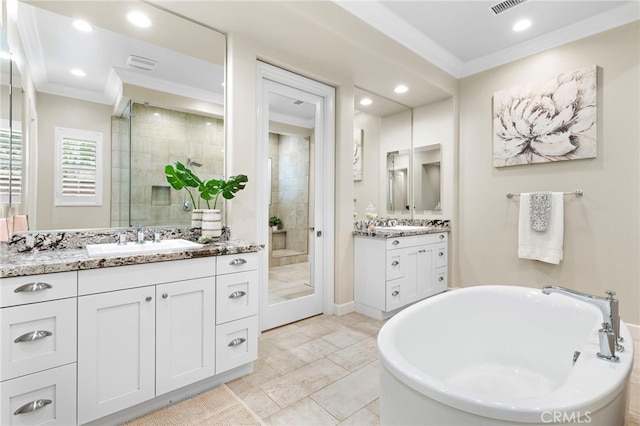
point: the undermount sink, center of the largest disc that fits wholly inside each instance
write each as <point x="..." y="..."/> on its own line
<point x="402" y="228"/>
<point x="96" y="250"/>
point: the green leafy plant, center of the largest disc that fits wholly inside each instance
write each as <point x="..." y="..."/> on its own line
<point x="274" y="221"/>
<point x="180" y="177"/>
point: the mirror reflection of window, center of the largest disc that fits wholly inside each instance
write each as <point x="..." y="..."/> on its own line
<point x="426" y="170"/>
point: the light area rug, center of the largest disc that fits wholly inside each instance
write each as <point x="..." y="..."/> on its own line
<point x="219" y="406"/>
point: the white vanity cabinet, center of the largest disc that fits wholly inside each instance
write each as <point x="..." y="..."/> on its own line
<point x="391" y="273"/>
<point x="236" y="310"/>
<point x="38" y="349"/>
<point x="143" y="330"/>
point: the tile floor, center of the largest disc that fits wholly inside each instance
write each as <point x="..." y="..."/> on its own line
<point x="324" y="371"/>
<point x="289" y="282"/>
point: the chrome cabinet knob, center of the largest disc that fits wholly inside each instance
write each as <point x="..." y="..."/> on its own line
<point x="440" y="253"/>
<point x="441" y="236"/>
<point x="395" y="263"/>
<point x="165" y="295"/>
<point x="148" y="299"/>
<point x="395" y="293"/>
<point x="440" y="278"/>
<point x="395" y="242"/>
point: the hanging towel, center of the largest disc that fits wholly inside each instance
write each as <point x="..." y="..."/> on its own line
<point x="540" y="210"/>
<point x="544" y="246"/>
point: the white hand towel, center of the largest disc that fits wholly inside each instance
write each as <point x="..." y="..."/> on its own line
<point x="543" y="246"/>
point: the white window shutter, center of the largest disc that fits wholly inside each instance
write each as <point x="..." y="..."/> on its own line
<point x="78" y="167"/>
<point x="10" y="165"/>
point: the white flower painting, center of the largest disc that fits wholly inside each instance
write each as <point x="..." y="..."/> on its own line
<point x="357" y="155"/>
<point x="549" y="121"/>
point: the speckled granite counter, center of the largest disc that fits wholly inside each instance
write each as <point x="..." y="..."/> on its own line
<point x="370" y="228"/>
<point x="39" y="256"/>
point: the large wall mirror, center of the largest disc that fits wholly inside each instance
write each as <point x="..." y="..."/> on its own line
<point x="403" y="153"/>
<point x="154" y="93"/>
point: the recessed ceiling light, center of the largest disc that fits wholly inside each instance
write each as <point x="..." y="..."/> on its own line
<point x="401" y="88"/>
<point x="521" y="25"/>
<point x="83" y="26"/>
<point x="139" y="19"/>
<point x="78" y="72"/>
<point x="365" y="101"/>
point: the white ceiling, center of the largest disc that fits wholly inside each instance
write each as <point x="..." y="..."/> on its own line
<point x="460" y="37"/>
<point x="466" y="37"/>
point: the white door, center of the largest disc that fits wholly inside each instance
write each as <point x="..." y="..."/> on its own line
<point x="185" y="333"/>
<point x="296" y="152"/>
<point x="116" y="351"/>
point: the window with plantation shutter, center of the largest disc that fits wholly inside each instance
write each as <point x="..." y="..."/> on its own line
<point x="78" y="168"/>
<point x="10" y="164"/>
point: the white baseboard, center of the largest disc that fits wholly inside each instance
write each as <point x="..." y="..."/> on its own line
<point x="343" y="309"/>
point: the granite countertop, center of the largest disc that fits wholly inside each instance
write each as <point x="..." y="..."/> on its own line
<point x="399" y="233"/>
<point x="43" y="252"/>
<point x="393" y="228"/>
<point x="75" y="259"/>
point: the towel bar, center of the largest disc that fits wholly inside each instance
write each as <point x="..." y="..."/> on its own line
<point x="577" y="193"/>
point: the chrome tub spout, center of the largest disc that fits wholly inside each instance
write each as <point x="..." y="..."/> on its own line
<point x="610" y="332"/>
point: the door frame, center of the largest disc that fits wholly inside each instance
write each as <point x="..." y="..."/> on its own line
<point x="326" y="197"/>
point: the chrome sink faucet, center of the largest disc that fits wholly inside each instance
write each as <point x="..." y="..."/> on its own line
<point x="610" y="332"/>
<point x="140" y="232"/>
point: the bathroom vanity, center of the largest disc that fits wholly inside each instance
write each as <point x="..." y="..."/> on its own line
<point x="89" y="342"/>
<point x="393" y="269"/>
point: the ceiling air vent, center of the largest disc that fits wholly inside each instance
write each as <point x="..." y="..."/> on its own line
<point x="141" y="63"/>
<point x="505" y="5"/>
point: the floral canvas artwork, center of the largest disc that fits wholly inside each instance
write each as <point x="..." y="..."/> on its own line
<point x="357" y="155"/>
<point x="546" y="121"/>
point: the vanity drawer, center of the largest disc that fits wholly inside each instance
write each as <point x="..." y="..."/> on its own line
<point x="236" y="296"/>
<point x="45" y="334"/>
<point x="415" y="240"/>
<point x="48" y="397"/>
<point x="37" y="288"/>
<point x="441" y="279"/>
<point x="241" y="262"/>
<point x="236" y="343"/>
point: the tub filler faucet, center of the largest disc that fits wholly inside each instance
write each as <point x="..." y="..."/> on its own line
<point x="610" y="332"/>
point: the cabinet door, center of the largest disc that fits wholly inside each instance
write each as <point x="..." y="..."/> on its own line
<point x="424" y="272"/>
<point x="185" y="333"/>
<point x="116" y="351"/>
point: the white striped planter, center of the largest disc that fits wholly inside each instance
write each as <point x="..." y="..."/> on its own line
<point x="196" y="218"/>
<point x="211" y="223"/>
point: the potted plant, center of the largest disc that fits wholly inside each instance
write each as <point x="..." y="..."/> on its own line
<point x="274" y="222"/>
<point x="180" y="177"/>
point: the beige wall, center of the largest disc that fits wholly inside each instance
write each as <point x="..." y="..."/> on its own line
<point x="57" y="111"/>
<point x="601" y="241"/>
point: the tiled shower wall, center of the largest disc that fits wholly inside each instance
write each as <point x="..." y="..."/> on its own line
<point x="160" y="137"/>
<point x="290" y="187"/>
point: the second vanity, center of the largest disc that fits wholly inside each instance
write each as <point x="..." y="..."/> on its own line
<point x="105" y="344"/>
<point x="393" y="269"/>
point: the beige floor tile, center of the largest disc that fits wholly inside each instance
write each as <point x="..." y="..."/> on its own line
<point x="261" y="404"/>
<point x="363" y="417"/>
<point x="287" y="361"/>
<point x="368" y="327"/>
<point x="298" y="384"/>
<point x="267" y="348"/>
<point x="344" y="337"/>
<point x="262" y="373"/>
<point x="290" y="339"/>
<point x="350" y="394"/>
<point x="374" y="407"/>
<point x="315" y="330"/>
<point x="304" y="412"/>
<point x="357" y="355"/>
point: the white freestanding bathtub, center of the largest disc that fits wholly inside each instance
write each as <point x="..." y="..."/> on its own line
<point x="498" y="355"/>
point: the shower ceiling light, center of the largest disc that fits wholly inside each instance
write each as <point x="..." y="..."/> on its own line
<point x="139" y="19"/>
<point x="365" y="101"/>
<point x="401" y="88"/>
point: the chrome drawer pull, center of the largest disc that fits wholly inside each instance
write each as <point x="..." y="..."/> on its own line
<point x="395" y="293"/>
<point x="237" y="294"/>
<point x="238" y="261"/>
<point x="395" y="263"/>
<point x="395" y="242"/>
<point x="32" y="406"/>
<point x="440" y="253"/>
<point x="440" y="278"/>
<point x="33" y="335"/>
<point x="441" y="236"/>
<point x="32" y="287"/>
<point x="236" y="342"/>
